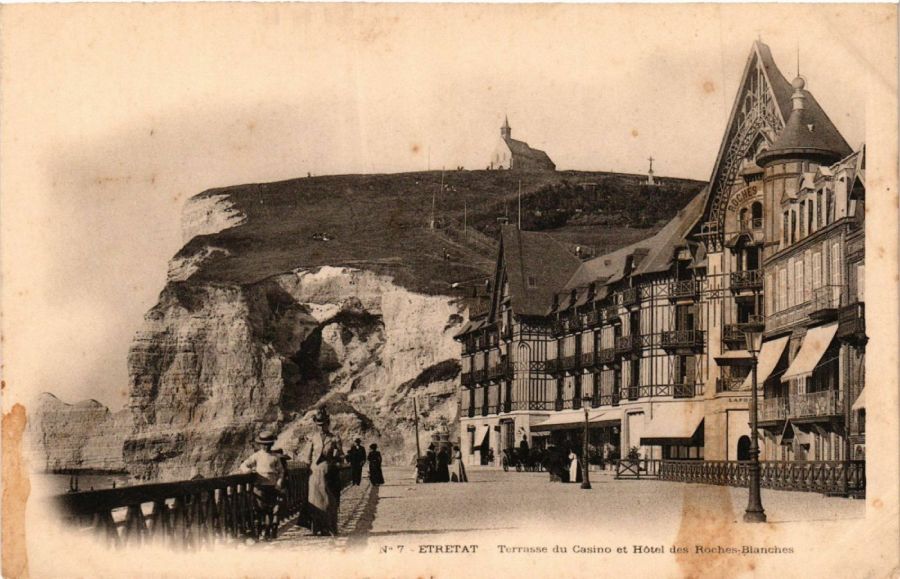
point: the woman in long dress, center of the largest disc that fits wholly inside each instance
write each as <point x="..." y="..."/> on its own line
<point x="573" y="466"/>
<point x="375" y="475"/>
<point x="457" y="468"/>
<point x="324" y="457"/>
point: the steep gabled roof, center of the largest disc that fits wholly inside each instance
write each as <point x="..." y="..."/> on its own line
<point x="522" y="149"/>
<point x="780" y="90"/>
<point x="650" y="255"/>
<point x="536" y="255"/>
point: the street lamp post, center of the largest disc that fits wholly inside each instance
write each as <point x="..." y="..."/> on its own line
<point x="585" y="477"/>
<point x="755" y="512"/>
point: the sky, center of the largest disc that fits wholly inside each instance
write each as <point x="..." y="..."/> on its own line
<point x="112" y="116"/>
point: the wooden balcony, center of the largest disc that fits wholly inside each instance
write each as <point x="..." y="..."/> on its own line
<point x="730" y="383"/>
<point x="817" y="404"/>
<point x="611" y="315"/>
<point x="690" y="340"/>
<point x="499" y="371"/>
<point x="606" y="356"/>
<point x="684" y="290"/>
<point x="625" y="344"/>
<point x="749" y="280"/>
<point x="569" y="363"/>
<point x="551" y="367"/>
<point x="773" y="409"/>
<point x="588" y="360"/>
<point x="825" y="304"/>
<point x="662" y="391"/>
<point x="631" y="297"/>
<point x="683" y="390"/>
<point x="600" y="400"/>
<point x="733" y="334"/>
<point x="852" y="323"/>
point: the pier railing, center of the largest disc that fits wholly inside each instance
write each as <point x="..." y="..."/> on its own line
<point x="184" y="514"/>
<point x="811" y="476"/>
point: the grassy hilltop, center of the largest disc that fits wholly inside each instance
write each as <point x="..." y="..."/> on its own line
<point x="380" y="222"/>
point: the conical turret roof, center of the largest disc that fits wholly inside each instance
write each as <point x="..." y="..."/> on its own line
<point x="808" y="132"/>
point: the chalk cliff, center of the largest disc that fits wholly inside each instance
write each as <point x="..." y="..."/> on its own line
<point x="82" y="436"/>
<point x="214" y="364"/>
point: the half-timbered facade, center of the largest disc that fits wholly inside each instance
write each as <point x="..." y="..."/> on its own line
<point x="651" y="336"/>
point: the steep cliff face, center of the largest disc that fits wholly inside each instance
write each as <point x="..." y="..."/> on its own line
<point x="82" y="436"/>
<point x="214" y="364"/>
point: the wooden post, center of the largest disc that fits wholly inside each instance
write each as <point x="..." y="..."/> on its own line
<point x="416" y="421"/>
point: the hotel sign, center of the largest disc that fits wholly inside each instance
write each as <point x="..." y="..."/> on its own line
<point x="741" y="197"/>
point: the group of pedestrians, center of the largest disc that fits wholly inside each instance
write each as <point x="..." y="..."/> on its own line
<point x="439" y="465"/>
<point x="357" y="458"/>
<point x="324" y="455"/>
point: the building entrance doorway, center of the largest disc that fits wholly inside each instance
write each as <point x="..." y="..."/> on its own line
<point x="743" y="448"/>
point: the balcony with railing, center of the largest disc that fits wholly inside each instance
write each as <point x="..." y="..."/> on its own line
<point x="816" y="404"/>
<point x="592" y="319"/>
<point x="687" y="289"/>
<point x="825" y="303"/>
<point x="588" y="360"/>
<point x="852" y="322"/>
<point x="479" y="376"/>
<point x="569" y="363"/>
<point x="662" y="391"/>
<point x="733" y="334"/>
<point x="500" y="370"/>
<point x="747" y="280"/>
<point x="730" y="383"/>
<point x="625" y="344"/>
<point x="750" y="225"/>
<point x="611" y="315"/>
<point x="682" y="339"/>
<point x="599" y="400"/>
<point x="551" y="366"/>
<point x="773" y="409"/>
<point x="631" y="296"/>
<point x="606" y="356"/>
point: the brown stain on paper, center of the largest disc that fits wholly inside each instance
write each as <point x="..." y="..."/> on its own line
<point x="708" y="519"/>
<point x="16" y="489"/>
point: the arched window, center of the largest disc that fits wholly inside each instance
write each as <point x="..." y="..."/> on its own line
<point x="756" y="213"/>
<point x="742" y="218"/>
<point x="802" y="230"/>
<point x="793" y="226"/>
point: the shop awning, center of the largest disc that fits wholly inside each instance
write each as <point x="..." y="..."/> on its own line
<point x="814" y="345"/>
<point x="766" y="361"/>
<point x="481" y="433"/>
<point x="734" y="358"/>
<point x="574" y="419"/>
<point x="860" y="403"/>
<point x="674" y="423"/>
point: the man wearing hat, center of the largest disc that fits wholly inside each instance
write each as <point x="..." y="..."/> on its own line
<point x="357" y="457"/>
<point x="324" y="457"/>
<point x="270" y="466"/>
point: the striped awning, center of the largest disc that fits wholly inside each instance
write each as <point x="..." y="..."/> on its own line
<point x="767" y="359"/>
<point x="811" y="351"/>
<point x="860" y="403"/>
<point x="575" y="418"/>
